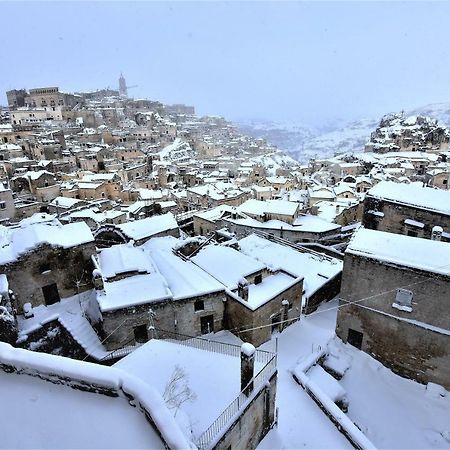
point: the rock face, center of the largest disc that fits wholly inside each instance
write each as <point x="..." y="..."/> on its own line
<point x="396" y="132"/>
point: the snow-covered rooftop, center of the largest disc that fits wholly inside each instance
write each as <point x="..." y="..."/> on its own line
<point x="413" y="195"/>
<point x="226" y="264"/>
<point x="17" y="241"/>
<point x="258" y="207"/>
<point x="315" y="270"/>
<point x="123" y="258"/>
<point x="417" y="253"/>
<point x="183" y="278"/>
<point x="140" y="229"/>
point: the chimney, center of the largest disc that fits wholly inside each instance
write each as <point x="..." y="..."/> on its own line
<point x="247" y="367"/>
<point x="436" y="233"/>
<point x="97" y="280"/>
<point x="243" y="289"/>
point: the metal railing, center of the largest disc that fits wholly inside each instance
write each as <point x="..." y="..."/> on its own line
<point x="230" y="413"/>
<point x="123" y="351"/>
<point x="261" y="356"/>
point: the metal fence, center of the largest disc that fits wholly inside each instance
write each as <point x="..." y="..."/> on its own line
<point x="261" y="356"/>
<point x="231" y="412"/>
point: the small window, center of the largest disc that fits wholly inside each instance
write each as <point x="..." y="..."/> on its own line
<point x="355" y="338"/>
<point x="140" y="333"/>
<point x="403" y="297"/>
<point x="199" y="305"/>
<point x="444" y="181"/>
<point x="258" y="279"/>
<point x="2" y="205"/>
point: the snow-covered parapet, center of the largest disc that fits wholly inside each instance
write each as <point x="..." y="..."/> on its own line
<point x="98" y="379"/>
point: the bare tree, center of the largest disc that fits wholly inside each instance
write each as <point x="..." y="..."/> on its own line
<point x="177" y="390"/>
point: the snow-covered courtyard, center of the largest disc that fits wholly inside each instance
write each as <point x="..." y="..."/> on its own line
<point x="393" y="412"/>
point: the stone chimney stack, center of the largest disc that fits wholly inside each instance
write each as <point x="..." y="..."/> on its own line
<point x="436" y="233"/>
<point x="247" y="367"/>
<point x="97" y="280"/>
<point x="243" y="289"/>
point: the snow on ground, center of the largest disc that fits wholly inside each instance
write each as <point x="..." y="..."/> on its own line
<point x="46" y="415"/>
<point x="402" y="413"/>
<point x="301" y="424"/>
<point x="213" y="378"/>
<point x="393" y="412"/>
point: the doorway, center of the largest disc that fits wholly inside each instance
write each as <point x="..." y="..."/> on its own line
<point x="207" y="324"/>
<point x="355" y="338"/>
<point x="51" y="294"/>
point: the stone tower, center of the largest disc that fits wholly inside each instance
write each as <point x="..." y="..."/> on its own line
<point x="123" y="92"/>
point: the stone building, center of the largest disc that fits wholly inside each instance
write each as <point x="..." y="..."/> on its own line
<point x="407" y="209"/>
<point x="41" y="184"/>
<point x="7" y="207"/>
<point x="395" y="304"/>
<point x="45" y="261"/>
<point x="259" y="300"/>
<point x="164" y="295"/>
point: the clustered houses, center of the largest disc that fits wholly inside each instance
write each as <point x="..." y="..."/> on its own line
<point x="128" y="223"/>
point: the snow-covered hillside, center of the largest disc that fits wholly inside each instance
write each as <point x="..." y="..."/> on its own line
<point x="274" y="161"/>
<point x="349" y="138"/>
<point x="285" y="135"/>
<point x="302" y="142"/>
<point x="440" y="111"/>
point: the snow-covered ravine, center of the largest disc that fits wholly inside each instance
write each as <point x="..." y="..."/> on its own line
<point x="393" y="412"/>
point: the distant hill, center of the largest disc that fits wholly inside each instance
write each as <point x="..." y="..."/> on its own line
<point x="302" y="142"/>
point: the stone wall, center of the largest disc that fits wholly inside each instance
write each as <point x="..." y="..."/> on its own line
<point x="418" y="350"/>
<point x="174" y="316"/>
<point x="240" y="317"/>
<point x="327" y="292"/>
<point x="47" y="265"/>
<point x="395" y="214"/>
<point x="254" y="422"/>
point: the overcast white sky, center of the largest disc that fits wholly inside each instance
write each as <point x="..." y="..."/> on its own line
<point x="299" y="61"/>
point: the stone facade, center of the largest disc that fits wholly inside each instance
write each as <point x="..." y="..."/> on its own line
<point x="254" y="422"/>
<point x="31" y="275"/>
<point x="413" y="344"/>
<point x="173" y="316"/>
<point x="389" y="216"/>
<point x="240" y="317"/>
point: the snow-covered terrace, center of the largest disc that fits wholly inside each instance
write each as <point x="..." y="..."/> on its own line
<point x="208" y="375"/>
<point x="42" y="410"/>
